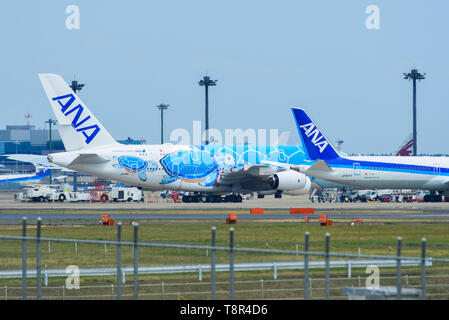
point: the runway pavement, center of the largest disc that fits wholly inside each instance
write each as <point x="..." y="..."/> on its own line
<point x="276" y="210"/>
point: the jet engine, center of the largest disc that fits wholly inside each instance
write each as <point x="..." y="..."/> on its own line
<point x="291" y="182"/>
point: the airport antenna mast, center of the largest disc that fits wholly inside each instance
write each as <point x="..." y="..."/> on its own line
<point x="28" y="117"/>
<point x="206" y="83"/>
<point x="76" y="87"/>
<point x="414" y="75"/>
<point x="162" y="107"/>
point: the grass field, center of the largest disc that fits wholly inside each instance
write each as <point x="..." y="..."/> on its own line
<point x="370" y="239"/>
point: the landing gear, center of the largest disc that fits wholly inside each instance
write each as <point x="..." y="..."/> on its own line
<point x="212" y="198"/>
<point x="433" y="198"/>
<point x="188" y="198"/>
<point x="278" y="195"/>
<point x="233" y="198"/>
<point x="198" y="197"/>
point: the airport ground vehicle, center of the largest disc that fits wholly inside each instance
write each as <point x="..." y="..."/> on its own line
<point x="321" y="197"/>
<point x="385" y="198"/>
<point x="127" y="194"/>
<point x="36" y="193"/>
<point x="40" y="193"/>
<point x="78" y="196"/>
<point x="59" y="195"/>
<point x="371" y="195"/>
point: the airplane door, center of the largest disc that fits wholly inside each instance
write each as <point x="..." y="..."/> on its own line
<point x="356" y="167"/>
<point x="436" y="169"/>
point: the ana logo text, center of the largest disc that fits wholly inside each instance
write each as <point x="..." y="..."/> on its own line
<point x="317" y="137"/>
<point x="89" y="131"/>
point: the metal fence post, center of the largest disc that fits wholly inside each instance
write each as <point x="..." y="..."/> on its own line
<point x="306" y="266"/>
<point x="24" y="258"/>
<point x="398" y="270"/>
<point x="136" y="263"/>
<point x="38" y="259"/>
<point x="327" y="281"/>
<point x="261" y="288"/>
<point x="423" y="268"/>
<point x="119" y="261"/>
<point x="212" y="265"/>
<point x="231" y="264"/>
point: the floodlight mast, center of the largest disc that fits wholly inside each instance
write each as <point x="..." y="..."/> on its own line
<point x="414" y="75"/>
<point x="162" y="107"/>
<point x="206" y="83"/>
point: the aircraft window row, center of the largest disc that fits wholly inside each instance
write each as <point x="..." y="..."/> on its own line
<point x="403" y="168"/>
<point x="195" y="169"/>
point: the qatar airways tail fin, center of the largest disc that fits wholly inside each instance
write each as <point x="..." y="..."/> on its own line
<point x="316" y="145"/>
<point x="406" y="148"/>
<point x="78" y="126"/>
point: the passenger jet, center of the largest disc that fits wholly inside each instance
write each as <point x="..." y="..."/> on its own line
<point x="369" y="172"/>
<point x="208" y="169"/>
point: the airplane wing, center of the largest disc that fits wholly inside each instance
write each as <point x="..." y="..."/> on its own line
<point x="37" y="160"/>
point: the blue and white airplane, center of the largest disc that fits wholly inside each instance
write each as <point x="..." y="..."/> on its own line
<point x="40" y="174"/>
<point x="41" y="164"/>
<point x="209" y="169"/>
<point x="368" y="172"/>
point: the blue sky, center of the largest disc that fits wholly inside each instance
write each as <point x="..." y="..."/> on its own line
<point x="266" y="55"/>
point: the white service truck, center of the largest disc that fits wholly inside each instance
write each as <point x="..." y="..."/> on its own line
<point x="37" y="193"/>
<point x="41" y="192"/>
<point x="127" y="194"/>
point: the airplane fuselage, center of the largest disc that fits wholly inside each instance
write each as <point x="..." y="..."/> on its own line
<point x="387" y="172"/>
<point x="178" y="167"/>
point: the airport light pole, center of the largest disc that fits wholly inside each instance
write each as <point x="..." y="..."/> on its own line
<point x="162" y="107"/>
<point x="76" y="87"/>
<point x="414" y="75"/>
<point x="206" y="83"/>
<point x="50" y="121"/>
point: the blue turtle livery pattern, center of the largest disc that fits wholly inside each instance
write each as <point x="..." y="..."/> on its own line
<point x="203" y="164"/>
<point x="135" y="165"/>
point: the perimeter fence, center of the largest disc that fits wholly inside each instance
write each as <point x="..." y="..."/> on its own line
<point x="309" y="276"/>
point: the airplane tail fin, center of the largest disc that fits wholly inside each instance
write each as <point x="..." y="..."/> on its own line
<point x="42" y="172"/>
<point x="78" y="126"/>
<point x="406" y="147"/>
<point x="316" y="145"/>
